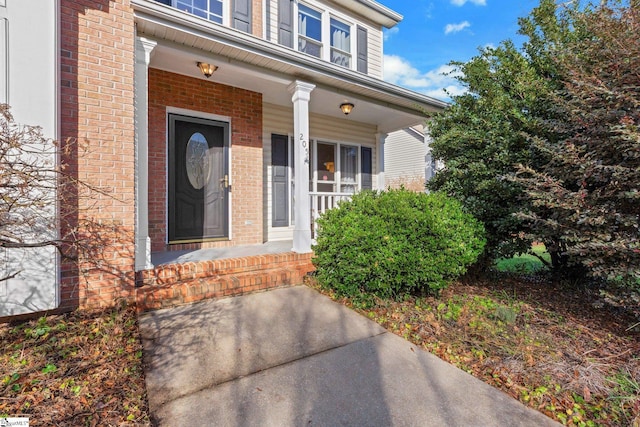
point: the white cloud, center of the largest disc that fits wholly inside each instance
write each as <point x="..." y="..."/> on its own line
<point x="390" y="32"/>
<point x="399" y="71"/>
<point x="462" y="2"/>
<point x="454" y="28"/>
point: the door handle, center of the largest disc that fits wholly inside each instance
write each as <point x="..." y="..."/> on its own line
<point x="224" y="182"/>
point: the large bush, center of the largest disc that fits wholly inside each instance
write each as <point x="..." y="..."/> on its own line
<point x="395" y="242"/>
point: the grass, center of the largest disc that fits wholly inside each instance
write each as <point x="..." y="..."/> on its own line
<point x="525" y="263"/>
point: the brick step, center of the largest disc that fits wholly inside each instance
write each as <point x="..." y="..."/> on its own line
<point x="176" y="284"/>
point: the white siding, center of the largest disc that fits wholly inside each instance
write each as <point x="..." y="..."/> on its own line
<point x="271" y="14"/>
<point x="375" y="51"/>
<point x="405" y="154"/>
<point x="30" y="38"/>
<point x="374" y="33"/>
<point x="279" y="120"/>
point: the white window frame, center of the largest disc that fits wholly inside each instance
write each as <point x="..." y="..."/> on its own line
<point x="321" y="42"/>
<point x="226" y="12"/>
<point x="326" y="31"/>
<point x="351" y="41"/>
<point x="337" y="181"/>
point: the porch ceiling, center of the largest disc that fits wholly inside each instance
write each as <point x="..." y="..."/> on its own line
<point x="254" y="64"/>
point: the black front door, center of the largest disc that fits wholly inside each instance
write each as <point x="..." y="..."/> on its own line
<point x="198" y="179"/>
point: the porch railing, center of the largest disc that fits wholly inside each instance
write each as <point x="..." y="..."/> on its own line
<point x="322" y="202"/>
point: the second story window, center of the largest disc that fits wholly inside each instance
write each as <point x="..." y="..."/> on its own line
<point x="309" y="31"/>
<point x="207" y="9"/>
<point x="340" y="43"/>
<point x="327" y="34"/>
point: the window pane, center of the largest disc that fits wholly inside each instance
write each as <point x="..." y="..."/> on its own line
<point x="326" y="165"/>
<point x="185" y="6"/>
<point x="208" y="9"/>
<point x="309" y="23"/>
<point x="348" y="169"/>
<point x="201" y="13"/>
<point x="215" y="7"/>
<point x="325" y="188"/>
<point x="309" y="47"/>
<point x="340" y="58"/>
<point x="340" y="35"/>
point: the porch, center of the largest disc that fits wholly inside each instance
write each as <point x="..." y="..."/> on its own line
<point x="186" y="276"/>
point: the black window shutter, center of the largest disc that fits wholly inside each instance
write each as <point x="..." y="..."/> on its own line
<point x="279" y="184"/>
<point x="268" y="19"/>
<point x="242" y="15"/>
<point x="363" y="66"/>
<point x="367" y="170"/>
<point x="285" y="22"/>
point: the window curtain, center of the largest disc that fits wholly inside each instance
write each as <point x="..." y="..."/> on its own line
<point x="340" y="39"/>
<point x="348" y="169"/>
<point x="302" y="29"/>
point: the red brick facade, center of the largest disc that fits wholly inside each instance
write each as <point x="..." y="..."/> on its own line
<point x="97" y="98"/>
<point x="244" y="108"/>
<point x="97" y="113"/>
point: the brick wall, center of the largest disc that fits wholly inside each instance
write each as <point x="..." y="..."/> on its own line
<point x="245" y="110"/>
<point x="97" y="122"/>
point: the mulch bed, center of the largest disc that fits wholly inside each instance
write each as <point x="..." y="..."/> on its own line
<point x="76" y="369"/>
<point x="568" y="350"/>
<point x="571" y="351"/>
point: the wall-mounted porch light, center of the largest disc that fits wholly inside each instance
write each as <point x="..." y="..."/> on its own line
<point x="207" y="69"/>
<point x="346" y="108"/>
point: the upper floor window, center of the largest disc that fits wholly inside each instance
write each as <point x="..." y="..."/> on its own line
<point x="207" y="9"/>
<point x="309" y="31"/>
<point x="340" y="43"/>
<point x="325" y="34"/>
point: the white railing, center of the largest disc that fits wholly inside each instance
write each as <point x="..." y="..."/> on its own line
<point x="322" y="202"/>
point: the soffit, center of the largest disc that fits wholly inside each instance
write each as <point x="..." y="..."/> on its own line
<point x="252" y="63"/>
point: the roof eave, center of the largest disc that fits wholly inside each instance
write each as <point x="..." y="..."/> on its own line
<point x="278" y="52"/>
<point x="380" y="13"/>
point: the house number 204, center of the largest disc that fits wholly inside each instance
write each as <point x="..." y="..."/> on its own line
<point x="303" y="142"/>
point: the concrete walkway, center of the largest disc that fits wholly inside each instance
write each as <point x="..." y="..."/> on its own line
<point x="292" y="357"/>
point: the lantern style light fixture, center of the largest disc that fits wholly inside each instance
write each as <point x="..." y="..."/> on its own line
<point x="207" y="69"/>
<point x="346" y="108"/>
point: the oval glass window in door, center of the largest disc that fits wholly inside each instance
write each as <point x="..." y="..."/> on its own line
<point x="197" y="161"/>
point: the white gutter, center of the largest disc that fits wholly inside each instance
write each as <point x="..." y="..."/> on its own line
<point x="393" y="17"/>
<point x="158" y="13"/>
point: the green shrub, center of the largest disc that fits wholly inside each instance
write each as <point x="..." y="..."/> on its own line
<point x="395" y="242"/>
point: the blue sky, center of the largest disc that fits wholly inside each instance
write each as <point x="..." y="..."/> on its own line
<point x="435" y="32"/>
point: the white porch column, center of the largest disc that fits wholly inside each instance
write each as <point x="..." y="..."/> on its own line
<point x="144" y="48"/>
<point x="380" y="138"/>
<point x="301" y="94"/>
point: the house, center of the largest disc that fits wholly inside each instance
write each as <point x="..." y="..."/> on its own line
<point x="214" y="124"/>
<point x="408" y="159"/>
